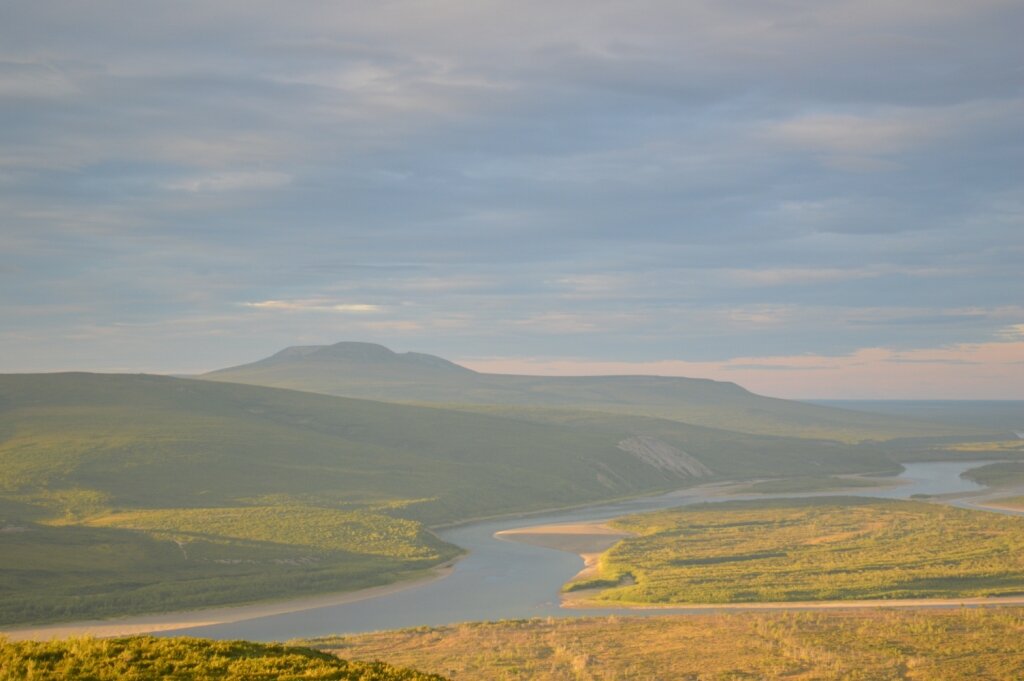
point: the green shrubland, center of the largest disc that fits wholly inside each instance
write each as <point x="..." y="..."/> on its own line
<point x="812" y="549"/>
<point x="1002" y="474"/>
<point x="145" y="658"/>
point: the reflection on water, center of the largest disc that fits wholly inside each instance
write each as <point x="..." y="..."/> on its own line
<point x="510" y="580"/>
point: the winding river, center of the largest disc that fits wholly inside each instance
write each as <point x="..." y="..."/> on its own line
<point x="501" y="579"/>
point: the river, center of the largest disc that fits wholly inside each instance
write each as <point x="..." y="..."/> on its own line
<point x="510" y="580"/>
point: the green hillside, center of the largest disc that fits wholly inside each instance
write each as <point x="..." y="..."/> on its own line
<point x="133" y="493"/>
<point x="145" y="658"/>
<point x="371" y="371"/>
<point x="74" y="441"/>
<point x="730" y="454"/>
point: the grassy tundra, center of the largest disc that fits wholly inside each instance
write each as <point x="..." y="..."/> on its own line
<point x="810" y="549"/>
<point x="891" y="645"/>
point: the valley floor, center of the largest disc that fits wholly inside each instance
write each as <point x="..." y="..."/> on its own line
<point x="584" y="538"/>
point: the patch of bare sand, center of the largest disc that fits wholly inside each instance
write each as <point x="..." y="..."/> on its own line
<point x="186" y="619"/>
<point x="580" y="538"/>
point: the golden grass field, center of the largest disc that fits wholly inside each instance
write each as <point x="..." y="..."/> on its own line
<point x="864" y="645"/>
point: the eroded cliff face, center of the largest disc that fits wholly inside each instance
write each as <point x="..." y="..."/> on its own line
<point x="662" y="455"/>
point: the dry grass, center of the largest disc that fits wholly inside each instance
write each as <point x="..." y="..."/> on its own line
<point x="866" y="645"/>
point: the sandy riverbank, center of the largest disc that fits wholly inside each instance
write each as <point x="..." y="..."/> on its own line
<point x="186" y="619"/>
<point x="588" y="540"/>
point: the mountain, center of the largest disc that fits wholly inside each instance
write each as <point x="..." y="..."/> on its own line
<point x="370" y="371"/>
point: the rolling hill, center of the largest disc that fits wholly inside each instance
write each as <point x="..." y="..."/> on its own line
<point x="127" y="493"/>
<point x="369" y="371"/>
<point x="131" y="493"/>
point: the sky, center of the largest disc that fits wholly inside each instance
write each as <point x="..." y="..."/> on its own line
<point x="812" y="199"/>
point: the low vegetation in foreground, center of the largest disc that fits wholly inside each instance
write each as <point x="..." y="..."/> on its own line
<point x="830" y="548"/>
<point x="932" y="645"/>
<point x="143" y="658"/>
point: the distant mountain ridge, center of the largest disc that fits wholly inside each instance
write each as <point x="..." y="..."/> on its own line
<point x="361" y="352"/>
<point x="371" y="371"/>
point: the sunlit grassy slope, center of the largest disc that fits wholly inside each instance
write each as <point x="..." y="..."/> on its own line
<point x="146" y="658"/>
<point x="372" y="371"/>
<point x="931" y="645"/>
<point x="812" y="549"/>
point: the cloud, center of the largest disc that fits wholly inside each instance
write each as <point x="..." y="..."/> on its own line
<point x="1012" y="332"/>
<point x="799" y="275"/>
<point x="34" y="79"/>
<point x="602" y="178"/>
<point x="314" y="305"/>
<point x="230" y="181"/>
<point x="867" y="141"/>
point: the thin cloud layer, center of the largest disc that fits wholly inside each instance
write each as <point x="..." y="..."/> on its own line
<point x="193" y="185"/>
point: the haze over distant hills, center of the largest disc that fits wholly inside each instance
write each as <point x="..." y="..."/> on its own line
<point x="371" y="371"/>
<point x="989" y="414"/>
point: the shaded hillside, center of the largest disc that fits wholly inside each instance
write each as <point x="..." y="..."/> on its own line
<point x="151" y="441"/>
<point x="372" y="371"/>
<point x="730" y="454"/>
